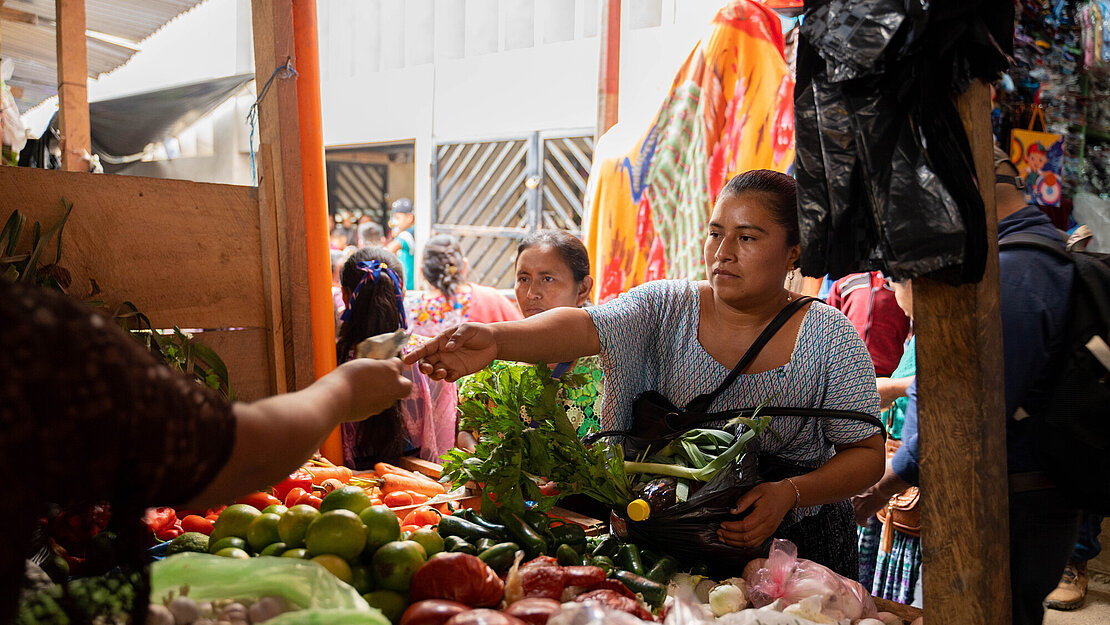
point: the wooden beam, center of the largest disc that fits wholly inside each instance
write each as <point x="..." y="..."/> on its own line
<point x="965" y="522"/>
<point x="73" y="72"/>
<point x="281" y="196"/>
<point x="8" y="14"/>
<point x="608" y="77"/>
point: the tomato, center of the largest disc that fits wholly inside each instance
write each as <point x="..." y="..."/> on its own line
<point x="195" y="523"/>
<point x="311" y="500"/>
<point x="293" y="496"/>
<point x="422" y="516"/>
<point x="398" y="498"/>
<point x="259" y="500"/>
<point x="169" y="533"/>
<point x="158" y="519"/>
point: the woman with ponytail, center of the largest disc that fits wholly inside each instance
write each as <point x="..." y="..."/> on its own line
<point x="373" y="293"/>
<point x="450" y="298"/>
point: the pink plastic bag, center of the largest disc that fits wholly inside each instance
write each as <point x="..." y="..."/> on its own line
<point x="786" y="576"/>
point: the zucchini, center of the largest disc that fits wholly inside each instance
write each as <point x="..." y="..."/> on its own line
<point x="652" y="592"/>
<point x="664" y="570"/>
<point x="458" y="526"/>
<point x="607" y="546"/>
<point x="628" y="558"/>
<point x="567" y="556"/>
<point x="458" y="544"/>
<point x="500" y="556"/>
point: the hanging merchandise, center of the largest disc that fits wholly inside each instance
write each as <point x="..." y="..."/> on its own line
<point x="1039" y="157"/>
<point x="885" y="174"/>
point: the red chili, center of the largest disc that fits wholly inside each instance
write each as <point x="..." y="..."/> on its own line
<point x="294" y="494"/>
<point x="311" y="500"/>
<point x="299" y="479"/>
<point x="259" y="500"/>
<point x="158" y="519"/>
<point x="194" y="523"/>
<point x="168" y="533"/>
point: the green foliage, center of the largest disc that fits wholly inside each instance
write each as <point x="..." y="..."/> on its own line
<point x="25" y="267"/>
<point x="526" y="439"/>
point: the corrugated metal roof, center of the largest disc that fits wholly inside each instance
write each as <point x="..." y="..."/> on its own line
<point x="34" y="49"/>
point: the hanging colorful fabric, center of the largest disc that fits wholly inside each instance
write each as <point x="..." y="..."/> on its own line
<point x="1039" y="157"/>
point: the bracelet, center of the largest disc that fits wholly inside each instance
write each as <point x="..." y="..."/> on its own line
<point x="797" y="493"/>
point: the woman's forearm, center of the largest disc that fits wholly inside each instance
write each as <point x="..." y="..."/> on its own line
<point x="557" y="335"/>
<point x="853" y="469"/>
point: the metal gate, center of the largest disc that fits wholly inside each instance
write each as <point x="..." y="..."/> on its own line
<point x="491" y="194"/>
<point x="359" y="189"/>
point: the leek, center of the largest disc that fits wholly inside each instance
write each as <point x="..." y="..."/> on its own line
<point x="704" y="474"/>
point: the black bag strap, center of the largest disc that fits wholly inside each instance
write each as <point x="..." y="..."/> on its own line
<point x="1037" y="242"/>
<point x="765" y="411"/>
<point x="702" y="402"/>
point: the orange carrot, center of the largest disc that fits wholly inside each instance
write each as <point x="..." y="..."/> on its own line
<point x="319" y="474"/>
<point x="419" y="497"/>
<point x="383" y="468"/>
<point x="392" y="483"/>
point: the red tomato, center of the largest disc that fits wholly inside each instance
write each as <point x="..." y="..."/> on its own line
<point x="259" y="500"/>
<point x="398" y="498"/>
<point x="293" y="496"/>
<point x="195" y="523"/>
<point x="311" y="500"/>
<point x="422" y="516"/>
<point x="169" y="534"/>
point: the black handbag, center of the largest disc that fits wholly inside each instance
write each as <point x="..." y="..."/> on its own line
<point x="656" y="420"/>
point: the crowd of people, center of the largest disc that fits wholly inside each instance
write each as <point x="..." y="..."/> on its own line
<point x="680" y="338"/>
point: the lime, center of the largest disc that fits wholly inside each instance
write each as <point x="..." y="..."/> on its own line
<point x="189" y="541"/>
<point x="362" y="579"/>
<point x="295" y="553"/>
<point x="429" y="539"/>
<point x="233" y="552"/>
<point x="338" y="532"/>
<point x="395" y="563"/>
<point x="391" y="603"/>
<point x="350" y="498"/>
<point x="263" y="531"/>
<point x="224" y="543"/>
<point x="382" y="527"/>
<point x="294" y="523"/>
<point x="336" y="565"/>
<point x="274" y="549"/>
<point x="234" y="521"/>
<point x="276" y="508"/>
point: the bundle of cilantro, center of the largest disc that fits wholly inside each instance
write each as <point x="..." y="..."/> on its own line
<point x="526" y="439"/>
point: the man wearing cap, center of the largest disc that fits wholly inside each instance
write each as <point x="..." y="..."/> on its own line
<point x="401" y="221"/>
<point x="1034" y="301"/>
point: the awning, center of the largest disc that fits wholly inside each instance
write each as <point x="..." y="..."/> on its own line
<point x="115" y="28"/>
<point x="123" y="127"/>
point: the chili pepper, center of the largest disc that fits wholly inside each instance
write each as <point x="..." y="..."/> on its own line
<point x="628" y="558"/>
<point x="194" y="523"/>
<point x="169" y="533"/>
<point x="526" y="536"/>
<point x="158" y="519"/>
<point x="299" y="479"/>
<point x="471" y="515"/>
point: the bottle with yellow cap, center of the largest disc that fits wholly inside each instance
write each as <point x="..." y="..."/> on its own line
<point x="638" y="510"/>
<point x="654" y="496"/>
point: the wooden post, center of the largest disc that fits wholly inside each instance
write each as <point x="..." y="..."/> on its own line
<point x="608" y="77"/>
<point x="281" y="196"/>
<point x="965" y="522"/>
<point x="73" y="72"/>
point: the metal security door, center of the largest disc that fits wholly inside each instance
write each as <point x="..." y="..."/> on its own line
<point x="492" y="194"/>
<point x="358" y="188"/>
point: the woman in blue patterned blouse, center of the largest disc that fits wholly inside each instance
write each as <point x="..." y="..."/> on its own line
<point x="681" y="338"/>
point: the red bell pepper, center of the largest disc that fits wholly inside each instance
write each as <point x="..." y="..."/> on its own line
<point x="169" y="533"/>
<point x="195" y="523"/>
<point x="299" y="479"/>
<point x="159" y="519"/>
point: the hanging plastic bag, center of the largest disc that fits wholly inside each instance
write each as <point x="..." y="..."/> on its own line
<point x="304" y="584"/>
<point x="1095" y="213"/>
<point x="787" y="577"/>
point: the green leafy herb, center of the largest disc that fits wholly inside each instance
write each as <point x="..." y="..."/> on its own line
<point x="525" y="440"/>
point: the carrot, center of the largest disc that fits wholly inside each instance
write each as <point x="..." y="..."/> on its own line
<point x="419" y="497"/>
<point x="398" y="498"/>
<point x="392" y="483"/>
<point x="319" y="474"/>
<point x="382" y="468"/>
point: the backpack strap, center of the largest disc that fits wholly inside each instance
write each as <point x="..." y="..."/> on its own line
<point x="702" y="402"/>
<point x="1028" y="240"/>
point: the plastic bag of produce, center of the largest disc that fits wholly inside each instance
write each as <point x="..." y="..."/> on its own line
<point x="304" y="584"/>
<point x="792" y="579"/>
<point x="591" y="613"/>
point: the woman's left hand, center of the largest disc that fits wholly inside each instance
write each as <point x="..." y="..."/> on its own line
<point x="768" y="502"/>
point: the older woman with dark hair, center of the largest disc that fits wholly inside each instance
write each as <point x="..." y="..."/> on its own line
<point x="681" y="338"/>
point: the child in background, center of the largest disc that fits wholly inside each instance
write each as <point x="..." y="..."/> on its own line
<point x="401" y="222"/>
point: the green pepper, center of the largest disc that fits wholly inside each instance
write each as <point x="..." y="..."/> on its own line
<point x="649" y="558"/>
<point x="458" y="526"/>
<point x="607" y="546"/>
<point x="664" y="570"/>
<point x="628" y="558"/>
<point x="458" y="544"/>
<point x="567" y="556"/>
<point x="700" y="568"/>
<point x="652" y="592"/>
<point x="570" y="534"/>
<point x="472" y="515"/>
<point x="604" y="563"/>
<point x="541" y="523"/>
<point x="500" y="556"/>
<point x="485" y="543"/>
<point x="532" y="542"/>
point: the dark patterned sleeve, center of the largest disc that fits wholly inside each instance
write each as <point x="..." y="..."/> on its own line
<point x="96" y="414"/>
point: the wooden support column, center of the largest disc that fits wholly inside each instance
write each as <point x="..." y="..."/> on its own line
<point x="965" y="522"/>
<point x="73" y="71"/>
<point x="608" y="76"/>
<point x="281" y="196"/>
